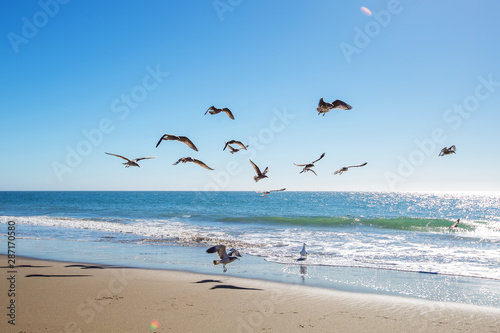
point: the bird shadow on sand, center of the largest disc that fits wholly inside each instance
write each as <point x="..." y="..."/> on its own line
<point x="94" y="266"/>
<point x="228" y="286"/>
<point x="55" y="275"/>
<point x="224" y="286"/>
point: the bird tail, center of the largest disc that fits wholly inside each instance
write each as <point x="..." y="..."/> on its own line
<point x="216" y="262"/>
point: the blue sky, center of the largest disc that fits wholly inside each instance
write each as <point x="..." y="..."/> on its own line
<point x="80" y="78"/>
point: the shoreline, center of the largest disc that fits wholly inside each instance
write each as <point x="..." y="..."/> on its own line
<point x="60" y="296"/>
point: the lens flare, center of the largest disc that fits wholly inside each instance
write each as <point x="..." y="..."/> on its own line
<point x="155" y="324"/>
<point x="366" y="11"/>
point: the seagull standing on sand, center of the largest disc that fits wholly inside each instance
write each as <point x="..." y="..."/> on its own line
<point x="214" y="110"/>
<point x="344" y="169"/>
<point x="133" y="162"/>
<point x="194" y="160"/>
<point x="224" y="257"/>
<point x="182" y="139"/>
<point x="324" y="107"/>
<point x="448" y="151"/>
<point x="260" y="175"/>
<point x="307" y="167"/>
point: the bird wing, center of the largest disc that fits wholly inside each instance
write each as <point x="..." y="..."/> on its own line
<point x="452" y="148"/>
<point x="441" y="153"/>
<point x="188" y="142"/>
<point x="300" y="165"/>
<point x="143" y="158"/>
<point x="220" y="249"/>
<point x="239" y="143"/>
<point x="161" y="139"/>
<point x="225" y="146"/>
<point x="229" y="113"/>
<point x="338" y="104"/>
<point x="180" y="160"/>
<point x="120" y="156"/>
<point x="256" y="168"/>
<point x="210" y="108"/>
<point x="321" y="103"/>
<point x="312" y="171"/>
<point x="322" y="155"/>
<point x="356" y="166"/>
<point x="336" y="172"/>
<point x="265" y="170"/>
<point x="278" y="190"/>
<point x="200" y="163"/>
<point x="235" y="252"/>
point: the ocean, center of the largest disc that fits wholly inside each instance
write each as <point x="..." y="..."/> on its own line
<point x="383" y="243"/>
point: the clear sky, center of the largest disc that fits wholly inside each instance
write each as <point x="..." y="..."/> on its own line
<point x="80" y="78"/>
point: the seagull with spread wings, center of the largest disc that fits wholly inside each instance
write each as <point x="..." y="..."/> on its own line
<point x="260" y="175"/>
<point x="344" y="169"/>
<point x="214" y="110"/>
<point x="224" y="257"/>
<point x="324" y="107"/>
<point x="235" y="142"/>
<point x="194" y="160"/>
<point x="129" y="162"/>
<point x="265" y="193"/>
<point x="448" y="151"/>
<point x="308" y="166"/>
<point x="182" y="139"/>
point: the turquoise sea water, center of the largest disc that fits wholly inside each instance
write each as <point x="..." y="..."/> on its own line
<point x="394" y="243"/>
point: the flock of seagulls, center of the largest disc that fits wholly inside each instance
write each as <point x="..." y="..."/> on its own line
<point x="323" y="108"/>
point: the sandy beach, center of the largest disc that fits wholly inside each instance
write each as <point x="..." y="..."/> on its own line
<point x="55" y="296"/>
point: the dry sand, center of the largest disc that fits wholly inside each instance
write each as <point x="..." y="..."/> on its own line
<point x="67" y="297"/>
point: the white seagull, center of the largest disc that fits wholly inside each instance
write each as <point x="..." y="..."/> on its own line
<point x="307" y="167"/>
<point x="133" y="162"/>
<point x="344" y="169"/>
<point x="303" y="253"/>
<point x="224" y="257"/>
<point x="264" y="193"/>
<point x="454" y="225"/>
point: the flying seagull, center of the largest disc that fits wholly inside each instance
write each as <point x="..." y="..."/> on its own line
<point x="233" y="150"/>
<point x="260" y="175"/>
<point x="448" y="151"/>
<point x="454" y="225"/>
<point x="214" y="110"/>
<point x="194" y="160"/>
<point x="239" y="143"/>
<point x="344" y="169"/>
<point x="182" y="139"/>
<point x="130" y="163"/>
<point x="303" y="253"/>
<point x="307" y="167"/>
<point x="223" y="256"/>
<point x="264" y="193"/>
<point x="324" y="107"/>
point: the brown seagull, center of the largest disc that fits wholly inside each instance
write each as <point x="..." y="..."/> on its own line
<point x="324" y="107"/>
<point x="344" y="169"/>
<point x="233" y="150"/>
<point x="130" y="163"/>
<point x="260" y="175"/>
<point x="307" y="167"/>
<point x="214" y="110"/>
<point x="448" y="151"/>
<point x="264" y="193"/>
<point x="182" y="139"/>
<point x="190" y="159"/>
<point x="239" y="143"/>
